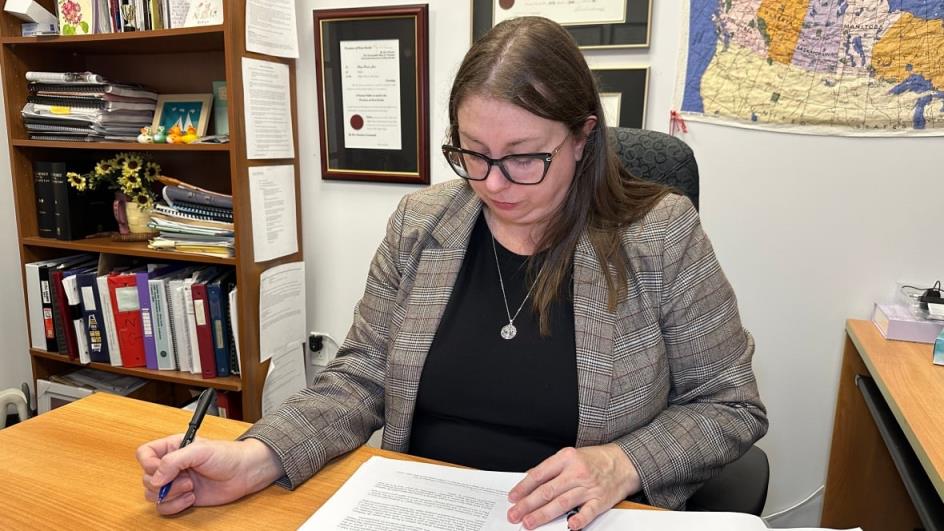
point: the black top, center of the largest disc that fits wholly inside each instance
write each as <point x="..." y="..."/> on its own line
<point x="488" y="402"/>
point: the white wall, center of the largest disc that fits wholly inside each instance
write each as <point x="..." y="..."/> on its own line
<point x="14" y="337"/>
<point x="810" y="230"/>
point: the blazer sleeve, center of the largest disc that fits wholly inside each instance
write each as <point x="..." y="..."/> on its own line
<point x="344" y="405"/>
<point x="714" y="412"/>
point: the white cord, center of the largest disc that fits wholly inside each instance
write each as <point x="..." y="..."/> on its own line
<point x="795" y="506"/>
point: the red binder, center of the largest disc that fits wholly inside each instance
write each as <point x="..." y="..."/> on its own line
<point x="201" y="314"/>
<point x="72" y="346"/>
<point x="123" y="292"/>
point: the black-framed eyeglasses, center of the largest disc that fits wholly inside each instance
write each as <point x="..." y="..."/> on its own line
<point x="519" y="168"/>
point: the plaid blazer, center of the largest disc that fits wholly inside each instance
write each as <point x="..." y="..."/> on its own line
<point x="667" y="376"/>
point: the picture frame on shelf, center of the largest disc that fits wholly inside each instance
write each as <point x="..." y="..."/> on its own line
<point x="183" y="110"/>
<point x="624" y="94"/>
<point x="594" y="24"/>
<point x="372" y="68"/>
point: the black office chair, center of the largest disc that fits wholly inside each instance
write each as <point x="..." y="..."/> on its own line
<point x="741" y="486"/>
<point x="657" y="157"/>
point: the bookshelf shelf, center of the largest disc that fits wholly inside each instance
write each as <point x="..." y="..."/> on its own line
<point x="107" y="245"/>
<point x="117" y="146"/>
<point x="176" y="61"/>
<point x="228" y="383"/>
<point x="199" y="39"/>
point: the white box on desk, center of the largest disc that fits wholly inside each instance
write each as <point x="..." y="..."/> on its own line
<point x="898" y="323"/>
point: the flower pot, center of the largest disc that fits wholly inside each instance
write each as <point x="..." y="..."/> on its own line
<point x="132" y="218"/>
<point x="138" y="217"/>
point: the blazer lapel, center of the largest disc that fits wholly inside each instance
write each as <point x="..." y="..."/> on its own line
<point x="594" y="327"/>
<point x="436" y="274"/>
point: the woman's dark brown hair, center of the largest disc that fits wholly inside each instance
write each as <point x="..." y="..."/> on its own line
<point x="535" y="64"/>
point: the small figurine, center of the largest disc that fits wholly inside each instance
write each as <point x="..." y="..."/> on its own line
<point x="160" y="136"/>
<point x="191" y="136"/>
<point x="173" y="135"/>
<point x="145" y="137"/>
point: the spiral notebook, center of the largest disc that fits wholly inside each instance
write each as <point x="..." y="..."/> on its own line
<point x="91" y="89"/>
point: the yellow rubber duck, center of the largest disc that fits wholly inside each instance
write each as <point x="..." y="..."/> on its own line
<point x="191" y="136"/>
<point x="173" y="135"/>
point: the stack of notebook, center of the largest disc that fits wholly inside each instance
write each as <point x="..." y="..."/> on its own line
<point x="84" y="107"/>
<point x="193" y="220"/>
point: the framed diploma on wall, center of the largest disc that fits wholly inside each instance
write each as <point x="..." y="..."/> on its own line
<point x="623" y="93"/>
<point x="373" y="93"/>
<point x="593" y="23"/>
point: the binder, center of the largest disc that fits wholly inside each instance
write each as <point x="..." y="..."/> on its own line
<point x="37" y="298"/>
<point x="179" y="324"/>
<point x="65" y="333"/>
<point x="147" y="326"/>
<point x="191" y="323"/>
<point x="123" y="291"/>
<point x="204" y="327"/>
<point x="161" y="320"/>
<point x="218" y="319"/>
<point x="94" y="323"/>
<point x="76" y="322"/>
<point x="108" y="316"/>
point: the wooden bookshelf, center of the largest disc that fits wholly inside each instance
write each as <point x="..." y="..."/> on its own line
<point x="175" y="61"/>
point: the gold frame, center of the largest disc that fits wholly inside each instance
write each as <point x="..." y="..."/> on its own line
<point x="590" y="47"/>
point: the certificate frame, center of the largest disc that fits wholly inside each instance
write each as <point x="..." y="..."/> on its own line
<point x="631" y="85"/>
<point x="408" y="161"/>
<point x="632" y="32"/>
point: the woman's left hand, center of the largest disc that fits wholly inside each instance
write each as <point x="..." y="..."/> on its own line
<point x="593" y="478"/>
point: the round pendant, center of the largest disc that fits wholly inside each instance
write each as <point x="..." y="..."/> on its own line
<point x="509" y="331"/>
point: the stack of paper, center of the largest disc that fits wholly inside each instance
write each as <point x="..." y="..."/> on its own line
<point x="194" y="220"/>
<point x="86" y="107"/>
<point x="393" y="494"/>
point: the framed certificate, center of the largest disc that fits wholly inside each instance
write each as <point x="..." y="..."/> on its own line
<point x="623" y="93"/>
<point x="373" y="93"/>
<point x="593" y="23"/>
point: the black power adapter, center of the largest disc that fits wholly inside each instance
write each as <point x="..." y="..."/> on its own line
<point x="931" y="295"/>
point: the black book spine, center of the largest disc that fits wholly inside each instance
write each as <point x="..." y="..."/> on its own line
<point x="62" y="195"/>
<point x="45" y="200"/>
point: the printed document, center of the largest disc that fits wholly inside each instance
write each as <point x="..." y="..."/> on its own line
<point x="370" y="94"/>
<point x="270" y="28"/>
<point x="272" y="201"/>
<point x="268" y="110"/>
<point x="395" y="495"/>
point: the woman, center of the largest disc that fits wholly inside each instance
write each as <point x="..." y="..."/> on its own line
<point x="547" y="312"/>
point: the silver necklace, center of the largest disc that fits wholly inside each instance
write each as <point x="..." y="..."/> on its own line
<point x="509" y="331"/>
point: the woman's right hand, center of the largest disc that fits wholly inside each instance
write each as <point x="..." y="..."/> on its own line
<point x="206" y="472"/>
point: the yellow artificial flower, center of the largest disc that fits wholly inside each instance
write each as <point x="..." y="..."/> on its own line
<point x="132" y="165"/>
<point x="151" y="171"/>
<point x="104" y="167"/>
<point x="77" y="180"/>
<point x="142" y="198"/>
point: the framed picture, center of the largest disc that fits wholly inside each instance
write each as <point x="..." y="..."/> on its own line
<point x="373" y="93"/>
<point x="595" y="24"/>
<point x="624" y="92"/>
<point x="183" y="110"/>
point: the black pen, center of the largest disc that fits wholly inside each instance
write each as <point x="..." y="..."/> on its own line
<point x="203" y="404"/>
<point x="572" y="512"/>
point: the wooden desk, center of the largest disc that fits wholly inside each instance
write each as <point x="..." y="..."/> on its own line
<point x="864" y="485"/>
<point x="75" y="468"/>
